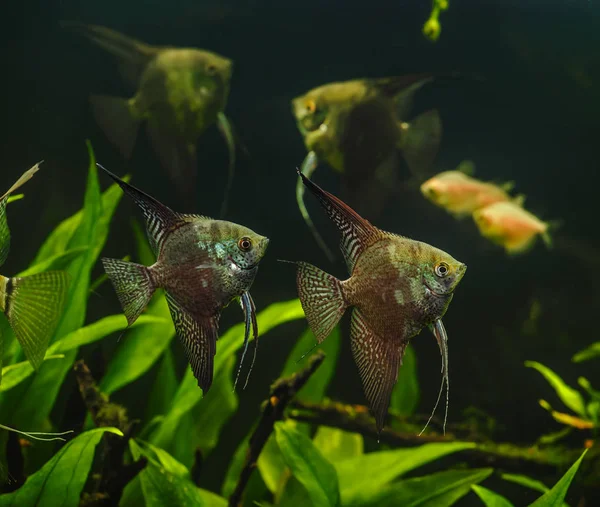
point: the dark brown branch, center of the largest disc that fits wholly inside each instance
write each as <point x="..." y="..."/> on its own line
<point x="507" y="456"/>
<point x="281" y="394"/>
<point x="115" y="475"/>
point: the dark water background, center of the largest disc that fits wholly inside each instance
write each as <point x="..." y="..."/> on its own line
<point x="533" y="120"/>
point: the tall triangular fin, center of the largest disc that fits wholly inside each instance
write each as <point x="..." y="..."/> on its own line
<point x="378" y="360"/>
<point x="356" y="232"/>
<point x="198" y="336"/>
<point x="159" y="218"/>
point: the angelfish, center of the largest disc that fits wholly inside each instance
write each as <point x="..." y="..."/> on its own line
<point x="202" y="264"/>
<point x="362" y="129"/>
<point x="180" y="93"/>
<point x="397" y="286"/>
<point x="32" y="304"/>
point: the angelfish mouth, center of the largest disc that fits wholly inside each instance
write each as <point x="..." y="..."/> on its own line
<point x="437" y="294"/>
<point x="237" y="266"/>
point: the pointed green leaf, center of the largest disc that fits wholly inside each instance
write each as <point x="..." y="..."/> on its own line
<point x="337" y="445"/>
<point x="588" y="353"/>
<point x="189" y="394"/>
<point x="165" y="481"/>
<point x="490" y="498"/>
<point x="569" y="396"/>
<point x="405" y="396"/>
<point x="271" y="464"/>
<point x="385" y="466"/>
<point x="309" y="467"/>
<point x="164" y="387"/>
<point x="556" y="495"/>
<point x="61" y="480"/>
<point x="440" y="489"/>
<point x="140" y="348"/>
<point x="56" y="262"/>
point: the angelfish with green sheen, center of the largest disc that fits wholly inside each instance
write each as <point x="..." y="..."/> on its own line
<point x="202" y="264"/>
<point x="397" y="287"/>
<point x="180" y="93"/>
<point x="32" y="304"/>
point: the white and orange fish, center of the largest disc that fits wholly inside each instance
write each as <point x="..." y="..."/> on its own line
<point x="459" y="193"/>
<point x="511" y="226"/>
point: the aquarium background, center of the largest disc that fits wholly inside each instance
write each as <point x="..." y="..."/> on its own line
<point x="532" y="118"/>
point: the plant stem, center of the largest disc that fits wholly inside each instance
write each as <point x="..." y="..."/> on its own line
<point x="281" y="394"/>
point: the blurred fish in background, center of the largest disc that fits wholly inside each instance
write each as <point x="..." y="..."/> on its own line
<point x="180" y="92"/>
<point x="362" y="129"/>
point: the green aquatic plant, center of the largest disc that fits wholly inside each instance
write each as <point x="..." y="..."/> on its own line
<point x="148" y="429"/>
<point x="432" y="27"/>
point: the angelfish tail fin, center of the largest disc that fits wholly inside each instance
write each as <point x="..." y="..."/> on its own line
<point x="133" y="284"/>
<point x="117" y="120"/>
<point x="322" y="299"/>
<point x="34" y="305"/>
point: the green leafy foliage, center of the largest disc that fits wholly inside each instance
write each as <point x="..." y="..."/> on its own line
<point x="405" y="396"/>
<point x="61" y="480"/>
<point x="489" y="498"/>
<point x="590" y="352"/>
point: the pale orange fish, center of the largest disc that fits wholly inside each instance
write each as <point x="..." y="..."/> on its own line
<point x="459" y="193"/>
<point x="511" y="226"/>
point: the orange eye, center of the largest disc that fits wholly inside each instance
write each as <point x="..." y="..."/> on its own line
<point x="245" y="244"/>
<point x="311" y="106"/>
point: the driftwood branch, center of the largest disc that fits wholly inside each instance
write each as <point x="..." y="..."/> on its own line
<point x="115" y="475"/>
<point x="281" y="394"/>
<point x="506" y="456"/>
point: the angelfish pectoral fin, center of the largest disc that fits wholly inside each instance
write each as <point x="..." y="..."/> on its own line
<point x="438" y="330"/>
<point x="250" y="320"/>
<point x="309" y="164"/>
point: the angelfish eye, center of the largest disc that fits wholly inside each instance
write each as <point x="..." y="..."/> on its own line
<point x="245" y="244"/>
<point x="442" y="269"/>
<point x="311" y="106"/>
<point x="211" y="69"/>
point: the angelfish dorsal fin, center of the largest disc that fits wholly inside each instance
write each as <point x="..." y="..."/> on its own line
<point x="357" y="233"/>
<point x="160" y="219"/>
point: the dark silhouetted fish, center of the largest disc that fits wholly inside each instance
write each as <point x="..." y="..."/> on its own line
<point x="180" y="93"/>
<point x="397" y="287"/>
<point x="202" y="264"/>
<point x="33" y="304"/>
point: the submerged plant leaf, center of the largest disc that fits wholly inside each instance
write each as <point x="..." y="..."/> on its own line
<point x="189" y="394"/>
<point x="569" y="396"/>
<point x="405" y="395"/>
<point x="61" y="480"/>
<point x="337" y="445"/>
<point x="384" y="466"/>
<point x="588" y="353"/>
<point x="164" y="387"/>
<point x="16" y="373"/>
<point x="165" y="481"/>
<point x="490" y="498"/>
<point x="140" y="348"/>
<point x="309" y="467"/>
<point x="440" y="489"/>
<point x="556" y="495"/>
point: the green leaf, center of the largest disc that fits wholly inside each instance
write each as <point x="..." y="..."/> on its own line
<point x="165" y="481"/>
<point x="385" y="466"/>
<point x="337" y="445"/>
<point x="441" y="489"/>
<point x="31" y="403"/>
<point x="16" y="373"/>
<point x="164" y="387"/>
<point x="189" y="394"/>
<point x="271" y="464"/>
<point x="58" y="261"/>
<point x="525" y="481"/>
<point x="588" y="353"/>
<point x="405" y="395"/>
<point x="556" y="495"/>
<point x="569" y="396"/>
<point x="490" y="498"/>
<point x="140" y="348"/>
<point x="61" y="480"/>
<point x="315" y="388"/>
<point x="309" y="467"/>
